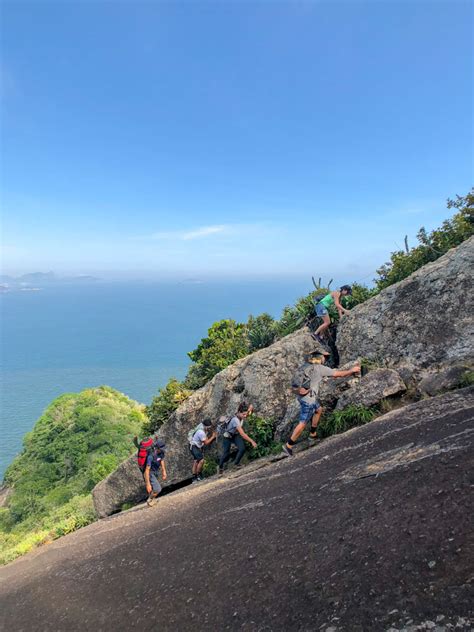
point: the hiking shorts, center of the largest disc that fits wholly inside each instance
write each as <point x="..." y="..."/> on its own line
<point x="155" y="484"/>
<point x="307" y="411"/>
<point x="321" y="310"/>
<point x="197" y="453"/>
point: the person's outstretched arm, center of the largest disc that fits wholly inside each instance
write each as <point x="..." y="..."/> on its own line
<point x="164" y="475"/>
<point x="246" y="437"/>
<point x="347" y="372"/>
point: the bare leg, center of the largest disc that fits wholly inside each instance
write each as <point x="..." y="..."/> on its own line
<point x="325" y="324"/>
<point x="315" y="421"/>
<point x="200" y="465"/>
<point x="297" y="431"/>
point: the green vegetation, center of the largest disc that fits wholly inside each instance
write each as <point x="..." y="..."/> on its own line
<point x="261" y="430"/>
<point x="341" y="420"/>
<point x="77" y="442"/>
<point x="467" y="379"/>
<point x="260" y="331"/>
<point x="164" y="404"/>
<point x="225" y="343"/>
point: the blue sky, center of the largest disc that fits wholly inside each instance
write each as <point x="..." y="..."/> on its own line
<point x="230" y="139"/>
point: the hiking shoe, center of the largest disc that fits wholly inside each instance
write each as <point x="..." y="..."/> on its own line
<point x="151" y="502"/>
<point x="220" y="472"/>
<point x="198" y="478"/>
<point x="313" y="435"/>
<point x="288" y="451"/>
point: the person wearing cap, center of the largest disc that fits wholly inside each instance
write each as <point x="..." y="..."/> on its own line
<point x="322" y="308"/>
<point x="313" y="371"/>
<point x="203" y="436"/>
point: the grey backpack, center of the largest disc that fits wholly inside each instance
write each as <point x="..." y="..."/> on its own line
<point x="301" y="378"/>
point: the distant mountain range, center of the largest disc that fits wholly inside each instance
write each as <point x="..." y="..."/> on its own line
<point x="39" y="279"/>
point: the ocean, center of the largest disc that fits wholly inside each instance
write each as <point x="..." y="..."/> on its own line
<point x="131" y="336"/>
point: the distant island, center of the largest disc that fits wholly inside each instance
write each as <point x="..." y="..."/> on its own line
<point x="37" y="280"/>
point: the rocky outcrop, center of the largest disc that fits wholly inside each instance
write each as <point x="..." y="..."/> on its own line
<point x="424" y="321"/>
<point x="442" y="381"/>
<point x="413" y="329"/>
<point x="369" y="531"/>
<point x="262" y="378"/>
<point x="372" y="389"/>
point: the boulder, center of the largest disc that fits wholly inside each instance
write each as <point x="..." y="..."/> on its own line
<point x="262" y="378"/>
<point x="372" y="389"/>
<point x="424" y="321"/>
<point x="446" y="380"/>
<point x="124" y="485"/>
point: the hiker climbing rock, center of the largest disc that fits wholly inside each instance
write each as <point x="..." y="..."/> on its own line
<point x="150" y="459"/>
<point x="305" y="385"/>
<point x="322" y="309"/>
<point x="232" y="433"/>
<point x="200" y="436"/>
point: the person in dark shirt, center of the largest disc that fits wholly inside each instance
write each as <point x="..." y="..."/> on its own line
<point x="234" y="434"/>
<point x="154" y="463"/>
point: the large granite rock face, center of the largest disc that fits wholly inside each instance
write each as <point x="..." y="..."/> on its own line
<point x="262" y="378"/>
<point x="423" y="321"/>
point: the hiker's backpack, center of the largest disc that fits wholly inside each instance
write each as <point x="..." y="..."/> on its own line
<point x="148" y="446"/>
<point x="143" y="451"/>
<point x="223" y="424"/>
<point x="301" y="379"/>
<point x="193" y="431"/>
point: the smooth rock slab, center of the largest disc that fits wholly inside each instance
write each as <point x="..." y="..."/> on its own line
<point x="340" y="535"/>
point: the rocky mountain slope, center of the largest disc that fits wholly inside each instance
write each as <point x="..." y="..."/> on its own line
<point x="417" y="334"/>
<point x="421" y="323"/>
<point x="368" y="531"/>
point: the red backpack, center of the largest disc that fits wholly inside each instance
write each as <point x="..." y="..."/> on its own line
<point x="143" y="451"/>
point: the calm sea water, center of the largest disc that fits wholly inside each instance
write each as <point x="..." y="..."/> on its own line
<point x="131" y="336"/>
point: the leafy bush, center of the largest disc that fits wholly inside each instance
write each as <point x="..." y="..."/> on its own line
<point x="260" y="331"/>
<point x="164" y="404"/>
<point x="261" y="430"/>
<point x="225" y="343"/>
<point x="210" y="466"/>
<point x="293" y="318"/>
<point x="360" y="294"/>
<point x="78" y="440"/>
<point x="341" y="420"/>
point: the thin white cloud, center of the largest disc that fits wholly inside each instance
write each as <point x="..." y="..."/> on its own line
<point x="198" y="233"/>
<point x="203" y="232"/>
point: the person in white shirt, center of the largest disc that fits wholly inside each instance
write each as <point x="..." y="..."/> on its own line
<point x="203" y="436"/>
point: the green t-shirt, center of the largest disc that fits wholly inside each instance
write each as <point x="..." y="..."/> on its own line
<point x="327" y="301"/>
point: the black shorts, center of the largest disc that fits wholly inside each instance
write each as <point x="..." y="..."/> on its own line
<point x="197" y="453"/>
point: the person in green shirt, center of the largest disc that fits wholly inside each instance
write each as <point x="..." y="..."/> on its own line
<point x="323" y="306"/>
